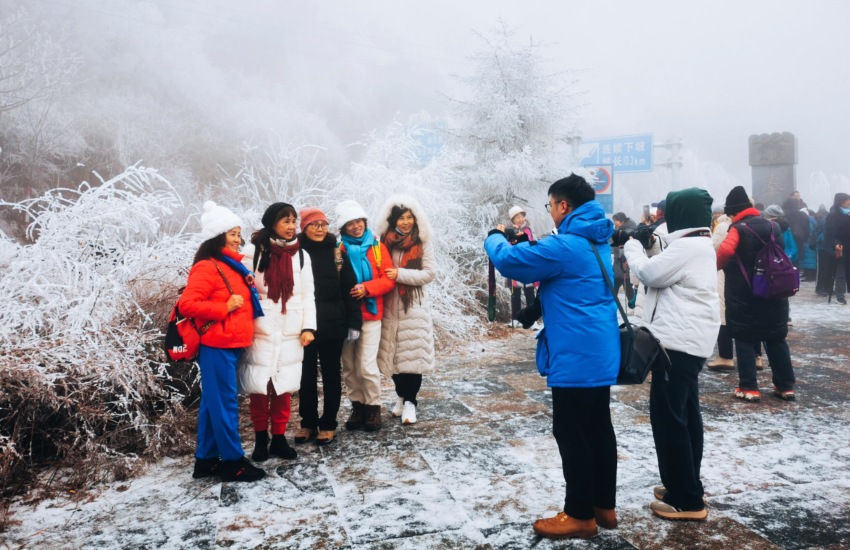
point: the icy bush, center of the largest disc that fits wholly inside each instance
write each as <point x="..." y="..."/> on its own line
<point x="80" y="322"/>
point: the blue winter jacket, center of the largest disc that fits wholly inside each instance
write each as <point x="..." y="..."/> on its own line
<point x="580" y="344"/>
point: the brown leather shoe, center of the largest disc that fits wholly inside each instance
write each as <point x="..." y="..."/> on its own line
<point x="563" y="526"/>
<point x="324" y="437"/>
<point x="606" y="519"/>
<point x="303" y="435"/>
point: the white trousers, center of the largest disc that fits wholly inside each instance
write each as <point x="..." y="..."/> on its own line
<point x="360" y="371"/>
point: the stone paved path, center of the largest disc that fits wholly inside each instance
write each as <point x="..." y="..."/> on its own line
<point x="481" y="465"/>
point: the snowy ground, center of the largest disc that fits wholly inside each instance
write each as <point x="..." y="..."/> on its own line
<point x="481" y="465"/>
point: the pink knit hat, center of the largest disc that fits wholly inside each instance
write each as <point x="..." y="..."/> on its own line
<point x="310" y="215"/>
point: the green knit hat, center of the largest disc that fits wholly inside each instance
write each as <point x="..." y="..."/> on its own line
<point x="688" y="208"/>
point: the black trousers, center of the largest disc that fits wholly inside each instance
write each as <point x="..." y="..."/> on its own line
<point x="677" y="429"/>
<point x="581" y="423"/>
<point x="724" y="343"/>
<point x="779" y="356"/>
<point x="622" y="280"/>
<point x="407" y="386"/>
<point x="325" y="353"/>
<point x="516" y="299"/>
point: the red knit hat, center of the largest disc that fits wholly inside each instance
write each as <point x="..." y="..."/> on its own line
<point x="310" y="215"/>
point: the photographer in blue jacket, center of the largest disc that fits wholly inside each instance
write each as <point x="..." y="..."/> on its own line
<point x="578" y="350"/>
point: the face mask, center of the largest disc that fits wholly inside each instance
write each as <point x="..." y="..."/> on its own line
<point x="845" y="210"/>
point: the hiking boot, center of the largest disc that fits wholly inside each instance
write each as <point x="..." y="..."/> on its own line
<point x="206" y="467"/>
<point x="303" y="435"/>
<point x="281" y="448"/>
<point x="372" y="423"/>
<point x="664" y="510"/>
<point x="840" y="299"/>
<point x="721" y="364"/>
<point x="324" y="437"/>
<point x="399" y="407"/>
<point x="409" y="414"/>
<point x="358" y="415"/>
<point x="261" y="447"/>
<point x="787" y="395"/>
<point x="607" y="519"/>
<point x="240" y="470"/>
<point x="563" y="526"/>
<point x="748" y="395"/>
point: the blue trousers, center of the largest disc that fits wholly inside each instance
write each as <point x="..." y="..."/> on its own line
<point x="218" y="417"/>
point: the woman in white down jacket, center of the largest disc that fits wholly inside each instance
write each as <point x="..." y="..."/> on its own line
<point x="683" y="311"/>
<point x="270" y="370"/>
<point x="407" y="332"/>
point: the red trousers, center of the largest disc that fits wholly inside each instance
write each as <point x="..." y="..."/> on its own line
<point x="270" y="406"/>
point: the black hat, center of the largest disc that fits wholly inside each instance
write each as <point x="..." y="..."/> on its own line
<point x="736" y="201"/>
<point x="270" y="215"/>
<point x="661" y="205"/>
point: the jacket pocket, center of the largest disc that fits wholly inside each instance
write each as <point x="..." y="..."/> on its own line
<point x="542" y="353"/>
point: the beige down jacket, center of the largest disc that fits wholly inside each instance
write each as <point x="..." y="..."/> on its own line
<point x="407" y="337"/>
<point x="718" y="235"/>
<point x="276" y="353"/>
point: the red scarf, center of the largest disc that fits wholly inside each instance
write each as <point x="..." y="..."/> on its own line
<point x="411" y="258"/>
<point x="278" y="277"/>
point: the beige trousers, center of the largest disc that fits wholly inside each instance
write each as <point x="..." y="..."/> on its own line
<point x="360" y="371"/>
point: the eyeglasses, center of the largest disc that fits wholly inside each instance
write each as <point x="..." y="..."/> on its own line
<point x="549" y="205"/>
<point x="318" y="225"/>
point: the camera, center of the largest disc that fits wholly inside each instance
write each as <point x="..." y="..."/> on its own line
<point x="515" y="236"/>
<point x="643" y="233"/>
<point x="620" y="236"/>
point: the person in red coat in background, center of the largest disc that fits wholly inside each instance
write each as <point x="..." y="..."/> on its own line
<point x="218" y="296"/>
<point x="369" y="258"/>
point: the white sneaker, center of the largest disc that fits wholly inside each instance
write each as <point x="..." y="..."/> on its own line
<point x="515" y="324"/>
<point x="536" y="326"/>
<point x="409" y="414"/>
<point x="399" y="407"/>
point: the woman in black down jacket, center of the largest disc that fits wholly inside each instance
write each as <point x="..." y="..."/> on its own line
<point x="751" y="319"/>
<point x="337" y="317"/>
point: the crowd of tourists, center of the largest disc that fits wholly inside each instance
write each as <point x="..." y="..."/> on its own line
<point x="291" y="306"/>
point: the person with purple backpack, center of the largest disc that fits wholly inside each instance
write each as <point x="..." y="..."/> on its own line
<point x="750" y="318"/>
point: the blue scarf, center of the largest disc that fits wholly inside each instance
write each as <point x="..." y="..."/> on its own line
<point x="357" y="249"/>
<point x="244" y="271"/>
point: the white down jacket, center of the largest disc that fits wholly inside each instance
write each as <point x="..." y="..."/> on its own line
<point x="276" y="353"/>
<point x="682" y="308"/>
<point x="407" y="337"/>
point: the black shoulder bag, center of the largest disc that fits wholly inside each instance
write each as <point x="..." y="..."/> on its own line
<point x="640" y="350"/>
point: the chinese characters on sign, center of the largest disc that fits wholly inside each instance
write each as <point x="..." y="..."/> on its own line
<point x="622" y="153"/>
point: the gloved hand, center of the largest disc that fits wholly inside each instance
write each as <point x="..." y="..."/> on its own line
<point x="645" y="235"/>
<point x="353" y="335"/>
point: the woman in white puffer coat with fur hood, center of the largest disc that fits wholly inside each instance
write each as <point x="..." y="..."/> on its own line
<point x="406" y="351"/>
<point x="270" y="370"/>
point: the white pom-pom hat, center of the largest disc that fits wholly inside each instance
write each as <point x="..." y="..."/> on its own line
<point x="347" y="211"/>
<point x="217" y="220"/>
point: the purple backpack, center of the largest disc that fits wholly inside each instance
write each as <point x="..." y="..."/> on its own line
<point x="774" y="274"/>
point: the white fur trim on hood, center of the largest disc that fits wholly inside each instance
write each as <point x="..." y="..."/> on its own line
<point x="217" y="220"/>
<point x="415" y="208"/>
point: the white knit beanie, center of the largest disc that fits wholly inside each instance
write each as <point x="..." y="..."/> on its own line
<point x="514" y="211"/>
<point x="217" y="220"/>
<point x="347" y="211"/>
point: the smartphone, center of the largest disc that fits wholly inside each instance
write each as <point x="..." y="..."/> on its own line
<point x="646" y="211"/>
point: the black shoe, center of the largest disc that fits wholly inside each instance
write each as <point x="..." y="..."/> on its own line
<point x="208" y="467"/>
<point x="358" y="415"/>
<point x="840" y="299"/>
<point x="241" y="470"/>
<point x="821" y="293"/>
<point x="373" y="418"/>
<point x="261" y="447"/>
<point x="281" y="448"/>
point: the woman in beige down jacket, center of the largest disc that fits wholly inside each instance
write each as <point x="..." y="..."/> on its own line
<point x="407" y="333"/>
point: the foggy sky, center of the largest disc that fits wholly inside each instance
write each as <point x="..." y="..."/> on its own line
<point x="710" y="72"/>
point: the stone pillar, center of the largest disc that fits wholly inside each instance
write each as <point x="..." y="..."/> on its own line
<point x="774" y="159"/>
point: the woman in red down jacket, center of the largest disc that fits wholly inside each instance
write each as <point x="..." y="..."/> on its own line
<point x="218" y="298"/>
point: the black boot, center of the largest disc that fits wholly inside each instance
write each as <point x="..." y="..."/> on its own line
<point x="206" y="467"/>
<point x="358" y="415"/>
<point x="372" y="423"/>
<point x="261" y="447"/>
<point x="240" y="470"/>
<point x="281" y="448"/>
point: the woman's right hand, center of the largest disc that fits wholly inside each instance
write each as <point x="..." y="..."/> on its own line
<point x="234" y="302"/>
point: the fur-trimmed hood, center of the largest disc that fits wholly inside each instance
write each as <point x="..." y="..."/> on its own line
<point x="415" y="208"/>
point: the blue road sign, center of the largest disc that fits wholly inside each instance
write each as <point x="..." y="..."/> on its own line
<point x="621" y="153"/>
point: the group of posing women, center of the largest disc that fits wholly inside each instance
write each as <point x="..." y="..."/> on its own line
<point x="274" y="312"/>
